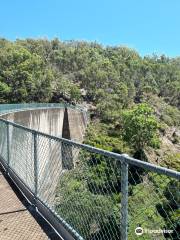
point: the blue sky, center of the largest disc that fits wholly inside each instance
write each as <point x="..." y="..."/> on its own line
<point x="149" y="26"/>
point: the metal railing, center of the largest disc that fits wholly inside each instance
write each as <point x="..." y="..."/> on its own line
<point x="7" y="108"/>
<point x="92" y="193"/>
<point x="12" y="108"/>
<point x="17" y="106"/>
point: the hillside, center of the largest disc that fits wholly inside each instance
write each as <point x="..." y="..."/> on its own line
<point x="109" y="79"/>
<point x="134" y="107"/>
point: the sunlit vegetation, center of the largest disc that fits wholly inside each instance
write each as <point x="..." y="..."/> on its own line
<point x="134" y="102"/>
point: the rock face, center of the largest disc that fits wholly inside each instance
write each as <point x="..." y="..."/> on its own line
<point x="170" y="145"/>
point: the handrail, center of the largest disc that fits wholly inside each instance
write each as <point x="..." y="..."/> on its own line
<point x="42" y="160"/>
<point x="120" y="157"/>
<point x="6" y="108"/>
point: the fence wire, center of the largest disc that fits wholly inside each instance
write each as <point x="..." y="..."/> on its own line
<point x="85" y="188"/>
<point x="3" y="141"/>
<point x="154" y="202"/>
<point x="5" y="108"/>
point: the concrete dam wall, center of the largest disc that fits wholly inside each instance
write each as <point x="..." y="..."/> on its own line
<point x="62" y="122"/>
<point x="54" y="157"/>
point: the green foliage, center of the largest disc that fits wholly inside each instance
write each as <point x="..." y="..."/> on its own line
<point x="171" y="206"/>
<point x="172" y="161"/>
<point x="171" y="116"/>
<point x="140" y="126"/>
<point x="4" y="91"/>
<point x="77" y="205"/>
<point x="65" y="88"/>
<point x="143" y="211"/>
<point x="75" y="93"/>
<point x="118" y="72"/>
<point x="23" y="74"/>
<point x="168" y="206"/>
<point x="100" y="135"/>
<point x="113" y="79"/>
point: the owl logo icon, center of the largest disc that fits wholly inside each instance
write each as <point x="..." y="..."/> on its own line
<point x="139" y="231"/>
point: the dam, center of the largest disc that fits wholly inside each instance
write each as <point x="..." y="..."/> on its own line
<point x="55" y="157"/>
<point x="62" y="122"/>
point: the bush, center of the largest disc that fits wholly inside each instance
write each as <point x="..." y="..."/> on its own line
<point x="140" y="126"/>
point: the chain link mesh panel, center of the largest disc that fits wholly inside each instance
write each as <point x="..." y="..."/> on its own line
<point x="49" y="168"/>
<point x="153" y="203"/>
<point x="88" y="195"/>
<point x="84" y="187"/>
<point x="3" y="141"/>
<point x="81" y="187"/>
<point x="22" y="154"/>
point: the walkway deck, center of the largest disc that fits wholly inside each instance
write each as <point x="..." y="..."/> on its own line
<point x="18" y="221"/>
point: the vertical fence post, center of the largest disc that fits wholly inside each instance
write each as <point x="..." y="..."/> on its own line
<point x="124" y="201"/>
<point x="35" y="166"/>
<point x="8" y="147"/>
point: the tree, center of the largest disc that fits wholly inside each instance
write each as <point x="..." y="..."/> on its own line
<point x="75" y="93"/>
<point x="4" y="91"/>
<point x="140" y="126"/>
<point x="24" y="76"/>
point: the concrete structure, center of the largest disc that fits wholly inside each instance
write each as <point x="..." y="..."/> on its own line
<point x="55" y="156"/>
<point x="62" y="122"/>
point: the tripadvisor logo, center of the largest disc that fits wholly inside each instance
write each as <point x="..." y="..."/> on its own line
<point x="139" y="231"/>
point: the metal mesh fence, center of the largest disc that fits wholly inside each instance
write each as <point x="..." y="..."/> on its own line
<point x="3" y="141"/>
<point x="21" y="148"/>
<point x="5" y="108"/>
<point x="87" y="187"/>
<point x="49" y="169"/>
<point x="153" y="205"/>
<point x="88" y="196"/>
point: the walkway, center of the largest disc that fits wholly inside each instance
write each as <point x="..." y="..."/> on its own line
<point x="18" y="220"/>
